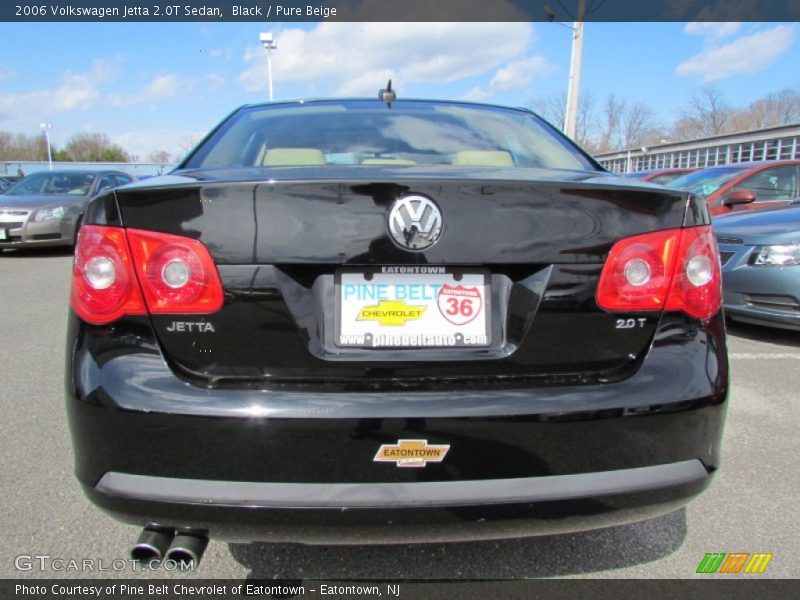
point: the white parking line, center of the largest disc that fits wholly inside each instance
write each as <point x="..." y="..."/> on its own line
<point x="760" y="355"/>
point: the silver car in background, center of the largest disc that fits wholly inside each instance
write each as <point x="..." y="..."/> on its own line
<point x="760" y="254"/>
<point x="46" y="208"/>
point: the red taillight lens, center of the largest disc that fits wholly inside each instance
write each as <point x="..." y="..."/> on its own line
<point x="128" y="272"/>
<point x="674" y="269"/>
<point x="697" y="284"/>
<point x="638" y="272"/>
<point x="177" y="273"/>
<point x="104" y="285"/>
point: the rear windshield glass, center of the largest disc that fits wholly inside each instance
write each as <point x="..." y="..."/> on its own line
<point x="665" y="178"/>
<point x="369" y="133"/>
<point x="706" y="182"/>
<point x="75" y="183"/>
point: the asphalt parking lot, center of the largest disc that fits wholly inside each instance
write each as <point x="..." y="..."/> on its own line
<point x="751" y="506"/>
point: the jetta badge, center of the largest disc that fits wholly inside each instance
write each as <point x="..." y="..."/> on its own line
<point x="415" y="222"/>
<point x="411" y="453"/>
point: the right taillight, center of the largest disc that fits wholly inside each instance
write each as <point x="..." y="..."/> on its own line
<point x="674" y="269"/>
<point x="697" y="283"/>
<point x="130" y="272"/>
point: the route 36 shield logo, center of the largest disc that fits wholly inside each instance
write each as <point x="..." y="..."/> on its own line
<point x="459" y="304"/>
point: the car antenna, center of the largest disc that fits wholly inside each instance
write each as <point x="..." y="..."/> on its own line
<point x="387" y="95"/>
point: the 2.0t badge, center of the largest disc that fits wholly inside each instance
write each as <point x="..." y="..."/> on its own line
<point x="415" y="222"/>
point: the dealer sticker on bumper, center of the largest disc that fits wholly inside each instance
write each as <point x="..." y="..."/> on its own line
<point x="412" y="453"/>
<point x="436" y="308"/>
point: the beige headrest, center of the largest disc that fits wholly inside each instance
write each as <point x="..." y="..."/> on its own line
<point x="293" y="157"/>
<point x="483" y="158"/>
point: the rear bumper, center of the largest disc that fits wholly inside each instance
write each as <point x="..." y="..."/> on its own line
<point x="401" y="512"/>
<point x="256" y="494"/>
<point x="254" y="464"/>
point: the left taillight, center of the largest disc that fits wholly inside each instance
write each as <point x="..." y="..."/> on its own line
<point x="104" y="285"/>
<point x="130" y="271"/>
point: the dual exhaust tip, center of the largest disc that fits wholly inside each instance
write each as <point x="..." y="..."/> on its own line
<point x="163" y="544"/>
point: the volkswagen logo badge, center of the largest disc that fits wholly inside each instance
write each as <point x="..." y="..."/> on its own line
<point x="415" y="222"/>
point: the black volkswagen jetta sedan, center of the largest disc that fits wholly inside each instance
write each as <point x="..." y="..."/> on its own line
<point x="347" y="321"/>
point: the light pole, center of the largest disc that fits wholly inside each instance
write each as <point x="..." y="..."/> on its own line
<point x="573" y="89"/>
<point x="269" y="45"/>
<point x="47" y="127"/>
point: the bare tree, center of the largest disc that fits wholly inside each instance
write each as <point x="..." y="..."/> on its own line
<point x="189" y="141"/>
<point x="613" y="110"/>
<point x="553" y="108"/>
<point x="620" y="124"/>
<point x="627" y="125"/>
<point x="639" y="126"/>
<point x="160" y="156"/>
<point x="586" y="123"/>
<point x="18" y="146"/>
<point x="686" y="128"/>
<point x="777" y="108"/>
<point x="707" y="111"/>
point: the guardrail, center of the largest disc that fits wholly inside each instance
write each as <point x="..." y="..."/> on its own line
<point x="773" y="143"/>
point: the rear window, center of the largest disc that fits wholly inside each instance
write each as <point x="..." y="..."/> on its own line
<point x="706" y="182"/>
<point x="75" y="183"/>
<point x="665" y="178"/>
<point x="369" y="133"/>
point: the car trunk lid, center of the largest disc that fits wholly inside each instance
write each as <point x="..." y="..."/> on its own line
<point x="283" y="246"/>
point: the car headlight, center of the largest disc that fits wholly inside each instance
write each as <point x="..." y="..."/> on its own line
<point x="48" y="214"/>
<point x="779" y="256"/>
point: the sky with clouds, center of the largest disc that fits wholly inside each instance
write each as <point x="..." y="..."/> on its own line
<point x="157" y="86"/>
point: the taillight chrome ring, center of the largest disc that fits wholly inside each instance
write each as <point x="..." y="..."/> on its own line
<point x="176" y="273"/>
<point x="637" y="272"/>
<point x="699" y="270"/>
<point x="99" y="272"/>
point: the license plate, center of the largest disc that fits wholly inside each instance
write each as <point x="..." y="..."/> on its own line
<point x="412" y="307"/>
<point x="3" y="234"/>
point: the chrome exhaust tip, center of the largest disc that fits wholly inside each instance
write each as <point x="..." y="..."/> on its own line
<point x="187" y="549"/>
<point x="153" y="544"/>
